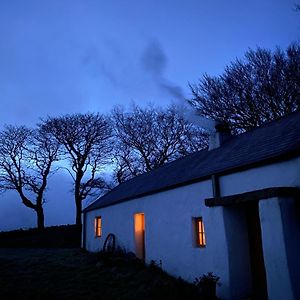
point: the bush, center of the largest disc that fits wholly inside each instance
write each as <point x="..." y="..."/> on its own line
<point x="207" y="285"/>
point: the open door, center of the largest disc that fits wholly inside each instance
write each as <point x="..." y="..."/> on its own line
<point x="139" y="234"/>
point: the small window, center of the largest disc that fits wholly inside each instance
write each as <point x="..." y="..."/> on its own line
<point x="98" y="226"/>
<point x="200" y="234"/>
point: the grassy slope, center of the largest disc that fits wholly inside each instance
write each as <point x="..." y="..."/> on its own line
<point x="63" y="236"/>
<point x="74" y="274"/>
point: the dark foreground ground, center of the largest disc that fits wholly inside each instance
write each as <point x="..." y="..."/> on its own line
<point x="74" y="274"/>
<point x="63" y="236"/>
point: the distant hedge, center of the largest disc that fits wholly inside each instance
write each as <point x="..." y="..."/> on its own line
<point x="64" y="236"/>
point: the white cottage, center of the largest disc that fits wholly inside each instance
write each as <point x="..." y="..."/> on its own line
<point x="233" y="210"/>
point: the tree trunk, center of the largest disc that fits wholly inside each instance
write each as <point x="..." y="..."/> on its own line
<point x="78" y="199"/>
<point x="78" y="210"/>
<point x="40" y="218"/>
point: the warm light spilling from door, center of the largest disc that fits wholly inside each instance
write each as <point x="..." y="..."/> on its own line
<point x="139" y="224"/>
<point x="139" y="233"/>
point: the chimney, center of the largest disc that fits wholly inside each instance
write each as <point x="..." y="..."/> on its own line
<point x="220" y="135"/>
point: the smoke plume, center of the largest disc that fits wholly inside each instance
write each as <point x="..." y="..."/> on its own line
<point x="154" y="61"/>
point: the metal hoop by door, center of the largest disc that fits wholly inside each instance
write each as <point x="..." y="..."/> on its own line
<point x="109" y="243"/>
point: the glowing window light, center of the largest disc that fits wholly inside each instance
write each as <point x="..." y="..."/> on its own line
<point x="98" y="226"/>
<point x="200" y="234"/>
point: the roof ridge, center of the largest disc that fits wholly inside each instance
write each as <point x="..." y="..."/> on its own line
<point x="262" y="126"/>
<point x="156" y="169"/>
<point x="266" y="124"/>
<point x="239" y="151"/>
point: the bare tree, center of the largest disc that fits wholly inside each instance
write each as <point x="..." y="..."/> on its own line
<point x="86" y="139"/>
<point x="261" y="87"/>
<point x="147" y="138"/>
<point x="26" y="160"/>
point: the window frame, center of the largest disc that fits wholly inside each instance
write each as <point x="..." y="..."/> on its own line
<point x="98" y="226"/>
<point x="199" y="231"/>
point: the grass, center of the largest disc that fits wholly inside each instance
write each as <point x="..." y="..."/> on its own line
<point x="75" y="274"/>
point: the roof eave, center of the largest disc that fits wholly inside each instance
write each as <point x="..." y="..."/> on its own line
<point x="282" y="157"/>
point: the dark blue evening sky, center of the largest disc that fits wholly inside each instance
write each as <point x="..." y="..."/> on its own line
<point x="64" y="56"/>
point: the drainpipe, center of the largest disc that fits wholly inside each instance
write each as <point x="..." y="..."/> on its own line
<point x="84" y="231"/>
<point x="215" y="186"/>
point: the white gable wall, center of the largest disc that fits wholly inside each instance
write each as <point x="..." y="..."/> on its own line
<point x="169" y="230"/>
<point x="169" y="236"/>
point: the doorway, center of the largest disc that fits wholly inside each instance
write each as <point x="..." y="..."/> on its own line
<point x="139" y="234"/>
<point x="258" y="272"/>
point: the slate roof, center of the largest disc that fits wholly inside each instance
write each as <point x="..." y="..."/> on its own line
<point x="274" y="141"/>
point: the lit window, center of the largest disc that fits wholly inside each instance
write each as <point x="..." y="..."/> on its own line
<point x="200" y="234"/>
<point x="98" y="226"/>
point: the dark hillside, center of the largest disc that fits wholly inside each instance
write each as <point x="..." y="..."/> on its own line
<point x="64" y="236"/>
<point x="34" y="274"/>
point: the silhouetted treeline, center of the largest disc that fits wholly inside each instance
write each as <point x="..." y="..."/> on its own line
<point x="127" y="143"/>
<point x="100" y="151"/>
<point x="146" y="138"/>
<point x="27" y="157"/>
<point x="86" y="142"/>
<point x="258" y="88"/>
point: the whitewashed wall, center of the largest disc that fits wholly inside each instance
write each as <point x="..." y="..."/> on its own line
<point x="280" y="174"/>
<point x="280" y="224"/>
<point x="169" y="229"/>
